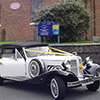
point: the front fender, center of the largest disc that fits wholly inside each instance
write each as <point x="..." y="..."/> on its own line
<point x="67" y="76"/>
<point x="98" y="71"/>
<point x="93" y="69"/>
<point x="47" y="76"/>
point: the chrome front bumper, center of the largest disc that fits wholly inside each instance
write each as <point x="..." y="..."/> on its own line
<point x="83" y="82"/>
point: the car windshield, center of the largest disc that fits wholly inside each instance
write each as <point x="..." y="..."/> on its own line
<point x="33" y="53"/>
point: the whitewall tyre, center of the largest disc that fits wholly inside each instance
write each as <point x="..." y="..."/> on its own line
<point x="58" y="88"/>
<point x="36" y="67"/>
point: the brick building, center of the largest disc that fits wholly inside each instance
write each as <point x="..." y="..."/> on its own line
<point x="16" y="18"/>
<point x="94" y="7"/>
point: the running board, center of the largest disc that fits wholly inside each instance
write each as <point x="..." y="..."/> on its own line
<point x="17" y="78"/>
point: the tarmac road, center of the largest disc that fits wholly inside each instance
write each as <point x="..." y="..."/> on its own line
<point x="25" y="91"/>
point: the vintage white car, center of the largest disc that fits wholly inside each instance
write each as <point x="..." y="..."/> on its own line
<point x="38" y="63"/>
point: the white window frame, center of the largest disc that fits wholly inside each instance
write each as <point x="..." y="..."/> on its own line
<point x="68" y="0"/>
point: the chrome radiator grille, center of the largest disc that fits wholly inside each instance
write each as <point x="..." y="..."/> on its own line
<point x="74" y="67"/>
<point x="73" y="63"/>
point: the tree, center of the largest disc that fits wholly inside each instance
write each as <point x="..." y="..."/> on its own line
<point x="73" y="17"/>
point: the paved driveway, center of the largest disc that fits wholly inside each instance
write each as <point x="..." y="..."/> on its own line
<point x="25" y="91"/>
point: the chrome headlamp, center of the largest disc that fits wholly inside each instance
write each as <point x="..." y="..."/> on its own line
<point x="67" y="64"/>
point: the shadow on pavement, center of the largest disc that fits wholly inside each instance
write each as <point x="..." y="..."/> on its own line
<point x="80" y="93"/>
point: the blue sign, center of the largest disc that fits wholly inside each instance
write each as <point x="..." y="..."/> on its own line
<point x="48" y="29"/>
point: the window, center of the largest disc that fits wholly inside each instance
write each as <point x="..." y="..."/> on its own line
<point x="35" y="5"/>
<point x="68" y="0"/>
<point x="8" y="53"/>
<point x="34" y="54"/>
<point x="18" y="55"/>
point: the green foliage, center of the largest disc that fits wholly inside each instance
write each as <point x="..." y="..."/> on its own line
<point x="3" y="34"/>
<point x="73" y="18"/>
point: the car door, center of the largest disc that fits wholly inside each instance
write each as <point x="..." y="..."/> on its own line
<point x="12" y="65"/>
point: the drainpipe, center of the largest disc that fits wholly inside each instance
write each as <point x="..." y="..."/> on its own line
<point x="85" y="3"/>
<point x="94" y="12"/>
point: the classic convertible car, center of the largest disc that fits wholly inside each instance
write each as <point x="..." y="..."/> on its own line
<point x="38" y="63"/>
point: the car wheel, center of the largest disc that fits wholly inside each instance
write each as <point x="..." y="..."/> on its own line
<point x="1" y="80"/>
<point x="58" y="88"/>
<point x="36" y="67"/>
<point x="94" y="86"/>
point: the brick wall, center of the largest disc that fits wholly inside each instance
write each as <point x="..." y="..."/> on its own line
<point x="91" y="30"/>
<point x="94" y="31"/>
<point x="98" y="17"/>
<point x="16" y="22"/>
<point x="47" y="2"/>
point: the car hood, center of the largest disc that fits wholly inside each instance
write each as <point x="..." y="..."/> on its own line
<point x="57" y="57"/>
<point x="55" y="60"/>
